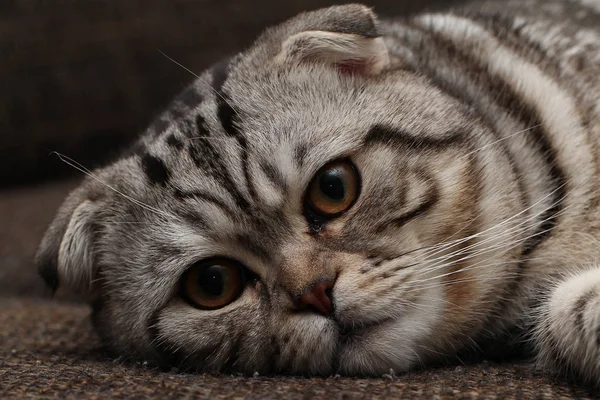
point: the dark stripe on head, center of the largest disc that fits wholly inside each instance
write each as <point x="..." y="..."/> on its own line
<point x="431" y="198"/>
<point x="203" y="196"/>
<point x="274" y="175"/>
<point x="505" y="97"/>
<point x="300" y="153"/>
<point x="433" y="51"/>
<point x="169" y="355"/>
<point x="207" y="158"/>
<point x="382" y="134"/>
<point x="227" y="115"/>
<point x="165" y="354"/>
<point x="174" y="142"/>
<point x="155" y="169"/>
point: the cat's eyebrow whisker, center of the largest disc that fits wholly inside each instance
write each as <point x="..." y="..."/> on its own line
<point x="224" y="139"/>
<point x="479" y="149"/>
<point x="201" y="79"/>
<point x="501" y="139"/>
<point x="69" y="161"/>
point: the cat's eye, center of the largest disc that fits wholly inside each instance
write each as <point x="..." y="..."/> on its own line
<point x="334" y="188"/>
<point x="213" y="283"/>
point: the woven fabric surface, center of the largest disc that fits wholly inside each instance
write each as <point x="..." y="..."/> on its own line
<point x="48" y="349"/>
<point x="83" y="78"/>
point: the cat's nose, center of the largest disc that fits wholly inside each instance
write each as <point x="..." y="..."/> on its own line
<point x="318" y="297"/>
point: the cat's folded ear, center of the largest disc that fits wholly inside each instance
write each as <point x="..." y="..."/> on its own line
<point x="66" y="254"/>
<point x="344" y="37"/>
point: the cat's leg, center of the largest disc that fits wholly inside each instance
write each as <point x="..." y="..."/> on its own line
<point x="568" y="327"/>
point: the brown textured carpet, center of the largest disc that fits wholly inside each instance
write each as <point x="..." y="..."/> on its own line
<point x="47" y="347"/>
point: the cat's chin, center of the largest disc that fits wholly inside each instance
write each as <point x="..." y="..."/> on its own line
<point x="369" y="350"/>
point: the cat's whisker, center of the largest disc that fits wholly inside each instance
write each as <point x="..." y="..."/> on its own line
<point x="460" y="280"/>
<point x="496" y="245"/>
<point x="480" y="265"/>
<point x="69" y="161"/>
<point x="224" y="139"/>
<point x="506" y="245"/>
<point x="485" y="146"/>
<point x="440" y="262"/>
<point x="501" y="223"/>
<point x="201" y="79"/>
<point x="510" y="232"/>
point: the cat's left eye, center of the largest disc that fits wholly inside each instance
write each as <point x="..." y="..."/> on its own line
<point x="213" y="283"/>
<point x="334" y="188"/>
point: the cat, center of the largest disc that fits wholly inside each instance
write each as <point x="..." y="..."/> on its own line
<point x="351" y="195"/>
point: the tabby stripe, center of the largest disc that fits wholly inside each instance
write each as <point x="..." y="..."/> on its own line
<point x="431" y="198"/>
<point x="592" y="5"/>
<point x="557" y="113"/>
<point x="527" y="46"/>
<point x="227" y="116"/>
<point x="174" y="142"/>
<point x="580" y="307"/>
<point x="461" y="77"/>
<point x="508" y="99"/>
<point x="555" y="110"/>
<point x="206" y="157"/>
<point x="387" y="135"/>
<point x="300" y="153"/>
<point x="155" y="169"/>
<point x="174" y="356"/>
<point x="165" y="354"/>
<point x="274" y="175"/>
<point x="205" y="197"/>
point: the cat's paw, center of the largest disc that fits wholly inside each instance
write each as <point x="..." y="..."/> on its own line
<point x="568" y="333"/>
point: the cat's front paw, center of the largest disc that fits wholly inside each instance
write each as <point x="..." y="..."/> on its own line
<point x="568" y="331"/>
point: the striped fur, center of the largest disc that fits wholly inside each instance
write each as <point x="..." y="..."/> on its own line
<point x="475" y="133"/>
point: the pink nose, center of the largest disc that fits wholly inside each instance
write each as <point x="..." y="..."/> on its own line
<point x="318" y="298"/>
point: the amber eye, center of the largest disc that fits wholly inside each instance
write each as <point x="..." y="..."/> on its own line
<point x="334" y="188"/>
<point x="213" y="283"/>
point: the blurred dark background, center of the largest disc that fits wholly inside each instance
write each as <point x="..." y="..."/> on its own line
<point x="85" y="77"/>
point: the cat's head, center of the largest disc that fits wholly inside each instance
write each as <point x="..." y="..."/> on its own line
<point x="287" y="214"/>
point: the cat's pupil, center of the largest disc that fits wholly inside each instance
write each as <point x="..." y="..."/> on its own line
<point x="332" y="185"/>
<point x="212" y="280"/>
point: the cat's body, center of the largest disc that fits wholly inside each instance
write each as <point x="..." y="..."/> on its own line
<point x="467" y="147"/>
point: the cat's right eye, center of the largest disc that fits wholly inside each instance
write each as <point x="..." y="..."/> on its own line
<point x="213" y="283"/>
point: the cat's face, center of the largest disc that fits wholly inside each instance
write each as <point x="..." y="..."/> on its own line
<point x="288" y="219"/>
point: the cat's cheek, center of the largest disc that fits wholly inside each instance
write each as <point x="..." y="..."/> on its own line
<point x="361" y="298"/>
<point x="377" y="350"/>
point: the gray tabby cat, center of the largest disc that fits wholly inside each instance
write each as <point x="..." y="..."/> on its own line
<point x="349" y="196"/>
